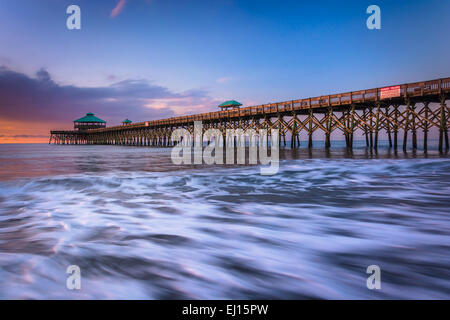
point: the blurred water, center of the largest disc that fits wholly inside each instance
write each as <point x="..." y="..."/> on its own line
<point x="140" y="227"/>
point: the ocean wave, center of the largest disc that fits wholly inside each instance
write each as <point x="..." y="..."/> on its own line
<point x="309" y="231"/>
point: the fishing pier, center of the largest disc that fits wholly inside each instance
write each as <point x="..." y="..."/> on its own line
<point x="398" y="111"/>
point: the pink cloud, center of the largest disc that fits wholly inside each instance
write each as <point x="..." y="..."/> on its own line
<point x="224" y="80"/>
<point x="118" y="8"/>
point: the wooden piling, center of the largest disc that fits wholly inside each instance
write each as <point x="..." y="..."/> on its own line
<point x="371" y="128"/>
<point x="377" y="125"/>
<point x="442" y="126"/>
<point x="388" y="126"/>
<point x="366" y="133"/>
<point x="310" y="130"/>
<point x="405" y="134"/>
<point x="352" y="126"/>
<point x="395" y="127"/>
<point x="425" y="128"/>
<point x="413" y="127"/>
<point x="328" y="127"/>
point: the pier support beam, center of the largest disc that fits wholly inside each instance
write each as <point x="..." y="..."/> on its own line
<point x="352" y="125"/>
<point x="443" y="130"/>
<point x="425" y="128"/>
<point x="405" y="134"/>
<point x="371" y="128"/>
<point x="366" y="133"/>
<point x="328" y="127"/>
<point x="310" y="129"/>
<point x="294" y="130"/>
<point x="388" y="126"/>
<point x="377" y="125"/>
<point x="413" y="127"/>
<point x="395" y="127"/>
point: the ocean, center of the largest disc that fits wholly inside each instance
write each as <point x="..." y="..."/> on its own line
<point x="140" y="227"/>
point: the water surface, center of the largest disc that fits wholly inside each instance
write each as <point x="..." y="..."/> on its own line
<point x="140" y="227"/>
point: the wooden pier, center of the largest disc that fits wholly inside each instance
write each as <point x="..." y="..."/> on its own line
<point x="399" y="111"/>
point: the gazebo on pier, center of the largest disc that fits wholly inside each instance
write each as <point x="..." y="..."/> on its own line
<point x="126" y="122"/>
<point x="90" y="121"/>
<point x="230" y="104"/>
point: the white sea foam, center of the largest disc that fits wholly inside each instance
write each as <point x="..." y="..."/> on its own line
<point x="213" y="232"/>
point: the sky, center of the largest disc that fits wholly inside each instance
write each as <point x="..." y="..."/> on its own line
<point x="151" y="59"/>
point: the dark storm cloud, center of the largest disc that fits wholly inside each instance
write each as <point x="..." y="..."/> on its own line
<point x="40" y="98"/>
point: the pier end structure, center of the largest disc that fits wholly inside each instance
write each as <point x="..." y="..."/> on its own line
<point x="79" y="134"/>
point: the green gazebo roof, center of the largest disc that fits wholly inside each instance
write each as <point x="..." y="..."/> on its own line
<point x="90" y="118"/>
<point x="127" y="121"/>
<point x="230" y="103"/>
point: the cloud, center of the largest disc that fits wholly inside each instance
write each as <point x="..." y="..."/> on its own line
<point x="111" y="77"/>
<point x="40" y="99"/>
<point x="224" y="80"/>
<point x="23" y="136"/>
<point x="5" y="60"/>
<point x="118" y="8"/>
